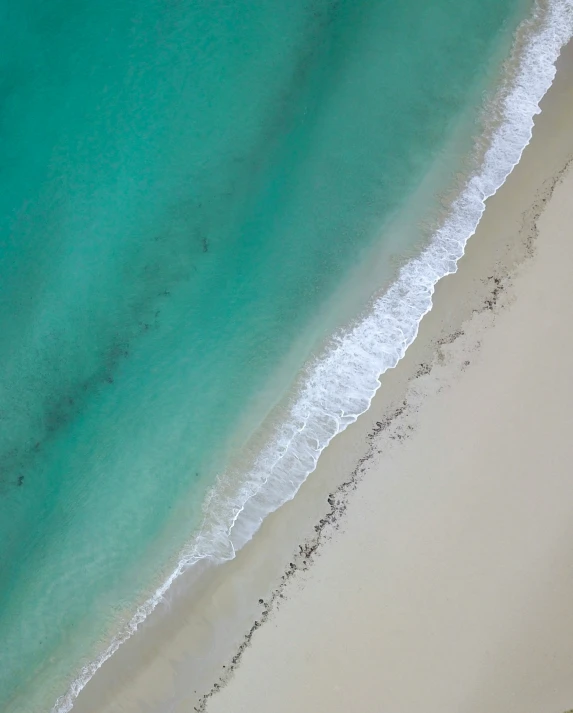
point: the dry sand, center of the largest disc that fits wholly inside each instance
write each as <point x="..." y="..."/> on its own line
<point x="443" y="576"/>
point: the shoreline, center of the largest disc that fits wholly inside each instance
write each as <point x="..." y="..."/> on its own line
<point x="179" y="600"/>
<point x="511" y="288"/>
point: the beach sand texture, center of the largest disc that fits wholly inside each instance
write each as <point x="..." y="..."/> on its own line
<point x="443" y="576"/>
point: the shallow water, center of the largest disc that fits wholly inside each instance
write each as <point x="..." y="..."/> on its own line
<point x="184" y="187"/>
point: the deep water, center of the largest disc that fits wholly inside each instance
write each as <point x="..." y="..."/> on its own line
<point x="183" y="185"/>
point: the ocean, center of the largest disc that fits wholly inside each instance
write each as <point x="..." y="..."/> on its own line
<point x="188" y="191"/>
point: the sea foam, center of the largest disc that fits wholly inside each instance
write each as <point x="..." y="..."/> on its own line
<point x="341" y="384"/>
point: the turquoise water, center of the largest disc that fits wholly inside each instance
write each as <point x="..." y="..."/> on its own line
<point x="183" y="186"/>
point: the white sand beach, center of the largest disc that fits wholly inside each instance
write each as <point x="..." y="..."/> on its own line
<point x="442" y="579"/>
